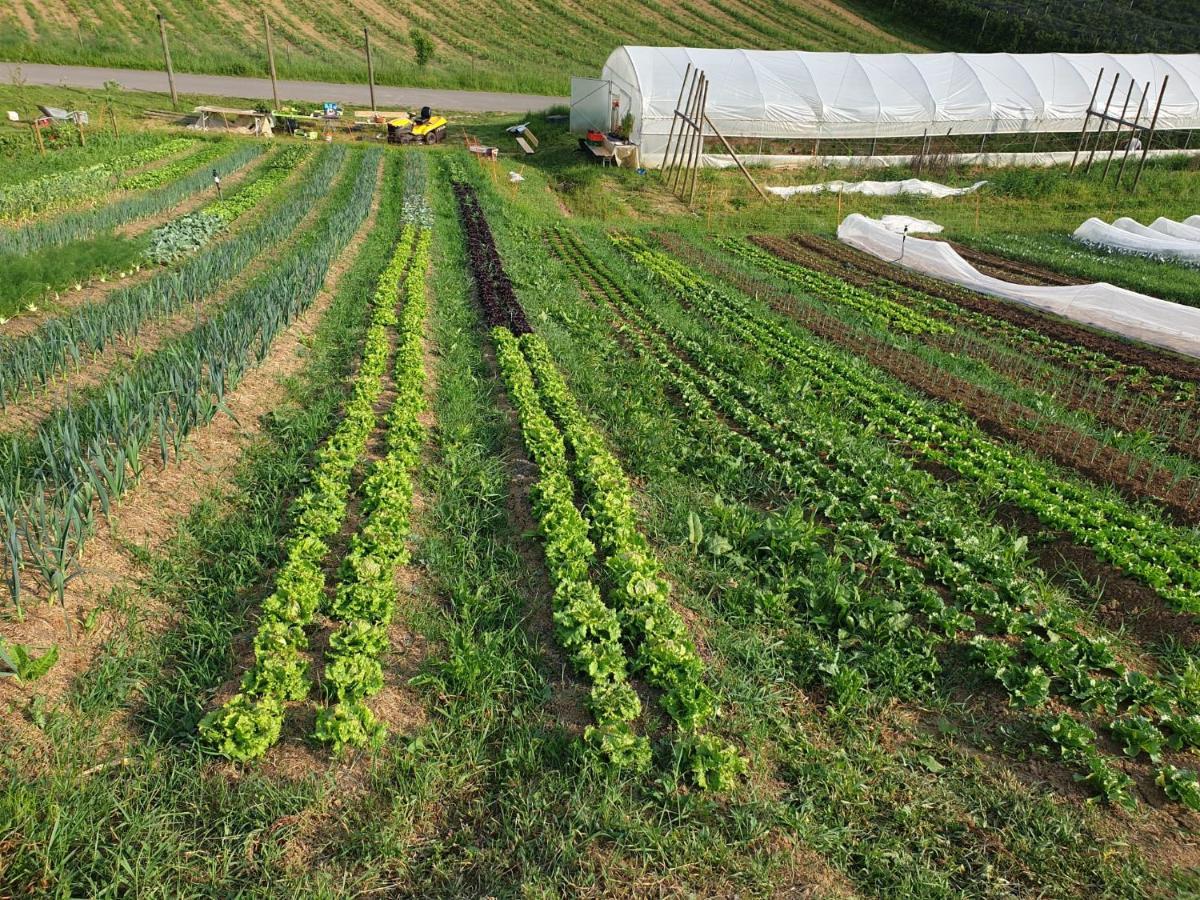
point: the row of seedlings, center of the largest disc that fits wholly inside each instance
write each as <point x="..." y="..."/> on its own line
<point x="366" y="595"/>
<point x="888" y="518"/>
<point x="594" y="633"/>
<point x="1135" y="539"/>
<point x="48" y="191"/>
<point x="30" y="361"/>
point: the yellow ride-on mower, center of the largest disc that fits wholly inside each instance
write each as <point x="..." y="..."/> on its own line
<point x="426" y="128"/>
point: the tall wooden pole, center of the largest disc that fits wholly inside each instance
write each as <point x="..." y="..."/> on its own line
<point x="370" y="67"/>
<point x="1103" y="121"/>
<point x="1150" y="137"/>
<point x="1133" y="132"/>
<point x="675" y="118"/>
<point x="271" y="60"/>
<point x="679" y="183"/>
<point x="1086" y="121"/>
<point x="162" y="33"/>
<point x="697" y="157"/>
<point x="1117" y="134"/>
<point x="675" y="156"/>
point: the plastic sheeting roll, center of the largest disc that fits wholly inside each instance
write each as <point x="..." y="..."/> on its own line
<point x="1105" y="306"/>
<point x="1127" y="236"/>
<point x="879" y="188"/>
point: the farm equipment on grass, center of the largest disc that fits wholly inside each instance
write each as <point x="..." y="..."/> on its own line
<point x="426" y="128"/>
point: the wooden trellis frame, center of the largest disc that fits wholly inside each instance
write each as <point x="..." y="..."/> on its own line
<point x="681" y="167"/>
<point x="1137" y="130"/>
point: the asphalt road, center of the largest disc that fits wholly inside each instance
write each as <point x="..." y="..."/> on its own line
<point x="386" y="98"/>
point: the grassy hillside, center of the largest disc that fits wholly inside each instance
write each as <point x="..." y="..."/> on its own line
<point x="519" y="45"/>
<point x="1029" y="26"/>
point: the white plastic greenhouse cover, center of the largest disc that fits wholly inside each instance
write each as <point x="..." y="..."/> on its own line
<point x="1127" y="236"/>
<point x="1126" y="313"/>
<point x="796" y="94"/>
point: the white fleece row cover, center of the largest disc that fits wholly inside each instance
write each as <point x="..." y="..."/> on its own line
<point x="1113" y="309"/>
<point x="909" y="225"/>
<point x="793" y="94"/>
<point x="879" y="188"/>
<point x="1162" y="240"/>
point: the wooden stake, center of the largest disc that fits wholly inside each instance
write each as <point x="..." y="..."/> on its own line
<point x="271" y="60"/>
<point x="370" y="68"/>
<point x="162" y="33"/>
<point x="1103" y="122"/>
<point x="677" y="158"/>
<point x="1117" y="135"/>
<point x="674" y="119"/>
<point x="1086" y="121"/>
<point x="729" y="150"/>
<point x="112" y="113"/>
<point x="698" y="156"/>
<point x="37" y="137"/>
<point x="1133" y="133"/>
<point x="1150" y="137"/>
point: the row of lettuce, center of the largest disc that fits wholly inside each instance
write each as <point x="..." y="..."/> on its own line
<point x="363" y="600"/>
<point x="897" y="565"/>
<point x="612" y="611"/>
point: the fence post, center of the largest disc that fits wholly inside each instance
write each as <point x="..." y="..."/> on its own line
<point x="162" y="33"/>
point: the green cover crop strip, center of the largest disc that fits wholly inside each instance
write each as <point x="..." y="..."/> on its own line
<point x="588" y="629"/>
<point x="31" y="360"/>
<point x="248" y="724"/>
<point x="366" y="596"/>
<point x="88" y="451"/>
<point x="76" y="225"/>
<point x="48" y="191"/>
<point x="663" y="649"/>
<point x="1137" y="541"/>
